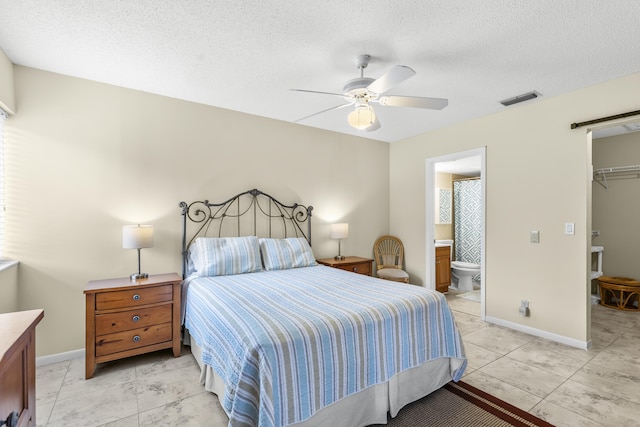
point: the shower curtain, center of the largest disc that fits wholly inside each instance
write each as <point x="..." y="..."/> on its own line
<point x="467" y="220"/>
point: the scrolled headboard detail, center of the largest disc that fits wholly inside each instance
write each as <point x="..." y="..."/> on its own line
<point x="251" y="212"/>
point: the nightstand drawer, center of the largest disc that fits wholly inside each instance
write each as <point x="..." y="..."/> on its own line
<point x="362" y="268"/>
<point x="132" y="319"/>
<point x="127" y="340"/>
<point x="133" y="297"/>
<point x="353" y="264"/>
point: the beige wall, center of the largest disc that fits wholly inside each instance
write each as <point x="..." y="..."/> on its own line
<point x="537" y="178"/>
<point x="85" y="158"/>
<point x="8" y="287"/>
<point x="615" y="210"/>
<point x="7" y="96"/>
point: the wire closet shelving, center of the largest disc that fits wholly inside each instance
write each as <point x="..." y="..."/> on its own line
<point x="618" y="172"/>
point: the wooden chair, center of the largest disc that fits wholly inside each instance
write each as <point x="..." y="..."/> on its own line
<point x="388" y="252"/>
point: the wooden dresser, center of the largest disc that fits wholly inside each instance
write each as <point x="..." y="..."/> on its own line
<point x="125" y="318"/>
<point x="18" y="367"/>
<point x="350" y="263"/>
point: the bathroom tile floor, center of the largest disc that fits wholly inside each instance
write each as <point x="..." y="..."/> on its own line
<point x="564" y="385"/>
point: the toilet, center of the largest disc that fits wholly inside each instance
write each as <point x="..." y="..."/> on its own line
<point x="462" y="273"/>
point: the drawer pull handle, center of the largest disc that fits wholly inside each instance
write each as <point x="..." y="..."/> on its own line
<point x="136" y="338"/>
<point x="136" y="297"/>
<point x="136" y="318"/>
<point x="355" y="269"/>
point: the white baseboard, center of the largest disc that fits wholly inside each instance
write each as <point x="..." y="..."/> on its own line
<point x="60" y="357"/>
<point x="585" y="345"/>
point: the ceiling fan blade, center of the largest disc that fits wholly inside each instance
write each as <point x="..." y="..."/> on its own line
<point x="315" y="91"/>
<point x="394" y="76"/>
<point x="374" y="126"/>
<point x="413" y="101"/>
<point x="324" y="111"/>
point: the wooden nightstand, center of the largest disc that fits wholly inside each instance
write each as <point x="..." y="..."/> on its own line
<point x="350" y="263"/>
<point x="126" y="318"/>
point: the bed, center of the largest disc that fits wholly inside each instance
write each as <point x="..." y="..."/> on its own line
<point x="284" y="341"/>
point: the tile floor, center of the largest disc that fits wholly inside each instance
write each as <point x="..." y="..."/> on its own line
<point x="564" y="385"/>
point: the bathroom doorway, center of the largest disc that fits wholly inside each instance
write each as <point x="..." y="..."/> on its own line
<point x="441" y="172"/>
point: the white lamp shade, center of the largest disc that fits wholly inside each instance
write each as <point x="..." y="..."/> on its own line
<point x="362" y="117"/>
<point x="137" y="236"/>
<point x="340" y="230"/>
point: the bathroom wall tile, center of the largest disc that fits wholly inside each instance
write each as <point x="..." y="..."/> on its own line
<point x="199" y="410"/>
<point x="559" y="416"/>
<point x="502" y="390"/>
<point x="604" y="408"/>
<point x="526" y="377"/>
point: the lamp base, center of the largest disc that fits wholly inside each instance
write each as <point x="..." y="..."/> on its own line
<point x="339" y="257"/>
<point x="137" y="276"/>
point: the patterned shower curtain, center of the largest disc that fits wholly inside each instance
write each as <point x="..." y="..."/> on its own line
<point x="467" y="218"/>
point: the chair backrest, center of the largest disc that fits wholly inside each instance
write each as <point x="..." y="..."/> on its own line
<point x="388" y="252"/>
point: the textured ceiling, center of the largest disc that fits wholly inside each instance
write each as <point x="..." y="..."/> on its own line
<point x="246" y="56"/>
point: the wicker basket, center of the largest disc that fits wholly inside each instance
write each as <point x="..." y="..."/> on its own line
<point x="621" y="293"/>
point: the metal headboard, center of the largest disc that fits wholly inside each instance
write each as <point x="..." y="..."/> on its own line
<point x="249" y="213"/>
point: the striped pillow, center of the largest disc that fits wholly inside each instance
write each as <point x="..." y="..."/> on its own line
<point x="225" y="255"/>
<point x="280" y="254"/>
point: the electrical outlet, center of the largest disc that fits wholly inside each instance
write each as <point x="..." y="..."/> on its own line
<point x="524" y="308"/>
<point x="534" y="236"/>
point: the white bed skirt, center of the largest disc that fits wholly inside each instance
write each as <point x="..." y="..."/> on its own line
<point x="370" y="406"/>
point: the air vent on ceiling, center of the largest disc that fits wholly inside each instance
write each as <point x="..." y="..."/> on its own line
<point x="520" y="98"/>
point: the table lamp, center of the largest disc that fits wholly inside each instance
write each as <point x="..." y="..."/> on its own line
<point x="137" y="237"/>
<point x="339" y="231"/>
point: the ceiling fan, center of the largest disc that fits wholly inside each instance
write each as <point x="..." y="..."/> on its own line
<point x="363" y="91"/>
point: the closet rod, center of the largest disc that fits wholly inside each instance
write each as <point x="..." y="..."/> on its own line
<point x="605" y="119"/>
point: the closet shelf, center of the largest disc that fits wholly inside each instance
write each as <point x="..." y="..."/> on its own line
<point x="618" y="172"/>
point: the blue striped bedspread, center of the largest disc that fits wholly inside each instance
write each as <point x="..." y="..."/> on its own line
<point x="290" y="342"/>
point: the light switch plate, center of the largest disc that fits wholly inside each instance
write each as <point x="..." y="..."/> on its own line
<point x="569" y="228"/>
<point x="534" y="236"/>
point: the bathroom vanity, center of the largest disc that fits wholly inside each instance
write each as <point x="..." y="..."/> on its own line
<point x="443" y="268"/>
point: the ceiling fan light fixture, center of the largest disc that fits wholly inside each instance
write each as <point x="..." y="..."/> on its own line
<point x="362" y="117"/>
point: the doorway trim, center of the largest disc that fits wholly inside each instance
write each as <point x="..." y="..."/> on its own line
<point x="430" y="250"/>
<point x="589" y="129"/>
